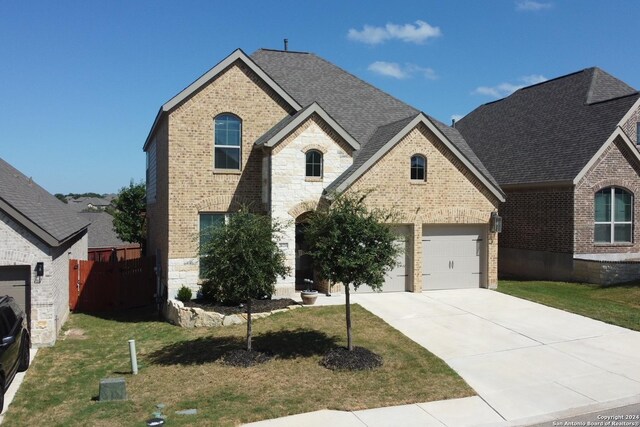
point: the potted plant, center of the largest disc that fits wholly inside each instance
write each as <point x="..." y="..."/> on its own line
<point x="309" y="295"/>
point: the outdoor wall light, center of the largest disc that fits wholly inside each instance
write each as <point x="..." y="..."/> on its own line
<point x="495" y="224"/>
<point x="40" y="269"/>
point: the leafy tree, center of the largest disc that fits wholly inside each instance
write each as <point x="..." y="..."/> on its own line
<point x="351" y="244"/>
<point x="129" y="214"/>
<point x="61" y="197"/>
<point x="240" y="260"/>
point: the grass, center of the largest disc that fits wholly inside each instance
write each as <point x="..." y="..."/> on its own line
<point x="618" y="305"/>
<point x="181" y="369"/>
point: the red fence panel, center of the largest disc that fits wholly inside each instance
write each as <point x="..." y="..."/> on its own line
<point x="115" y="285"/>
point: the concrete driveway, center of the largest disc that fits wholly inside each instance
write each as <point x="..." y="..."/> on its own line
<point x="525" y="360"/>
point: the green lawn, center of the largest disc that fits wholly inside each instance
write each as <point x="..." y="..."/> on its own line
<point x="618" y="305"/>
<point x="181" y="369"/>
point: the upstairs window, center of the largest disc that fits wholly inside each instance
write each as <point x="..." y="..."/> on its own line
<point x="418" y="168"/>
<point x="613" y="216"/>
<point x="228" y="142"/>
<point x="313" y="164"/>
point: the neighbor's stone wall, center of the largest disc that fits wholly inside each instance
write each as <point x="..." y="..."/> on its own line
<point x="292" y="193"/>
<point x="49" y="302"/>
<point x="193" y="184"/>
<point x="615" y="167"/>
<point x="451" y="194"/>
<point x="538" y="219"/>
<point x="606" y="272"/>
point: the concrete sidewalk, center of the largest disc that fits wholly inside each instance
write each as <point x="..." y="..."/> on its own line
<point x="15" y="385"/>
<point x="528" y="363"/>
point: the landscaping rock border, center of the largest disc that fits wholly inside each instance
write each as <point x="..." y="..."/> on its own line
<point x="192" y="317"/>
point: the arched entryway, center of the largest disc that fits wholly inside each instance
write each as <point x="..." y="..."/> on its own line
<point x="304" y="263"/>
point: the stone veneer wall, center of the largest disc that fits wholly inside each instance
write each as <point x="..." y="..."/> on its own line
<point x="292" y="194"/>
<point x="450" y="195"/>
<point x="49" y="296"/>
<point x="193" y="185"/>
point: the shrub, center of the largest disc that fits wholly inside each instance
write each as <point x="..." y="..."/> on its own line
<point x="184" y="294"/>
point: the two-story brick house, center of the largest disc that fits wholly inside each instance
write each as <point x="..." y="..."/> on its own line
<point x="564" y="151"/>
<point x="278" y="131"/>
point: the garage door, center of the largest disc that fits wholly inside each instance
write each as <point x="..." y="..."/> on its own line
<point x="397" y="280"/>
<point x="453" y="256"/>
<point x="14" y="281"/>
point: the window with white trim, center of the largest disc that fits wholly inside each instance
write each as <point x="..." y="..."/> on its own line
<point x="313" y="164"/>
<point x="418" y="168"/>
<point x="208" y="222"/>
<point x="227" y="142"/>
<point x="613" y="216"/>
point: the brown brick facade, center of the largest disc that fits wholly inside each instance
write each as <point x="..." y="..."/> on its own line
<point x="538" y="219"/>
<point x="615" y="167"/>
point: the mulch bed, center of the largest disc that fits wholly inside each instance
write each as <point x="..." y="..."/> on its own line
<point x="244" y="359"/>
<point x="257" y="306"/>
<point x="359" y="359"/>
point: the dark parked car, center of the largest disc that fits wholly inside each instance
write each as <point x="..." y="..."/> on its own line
<point x="14" y="347"/>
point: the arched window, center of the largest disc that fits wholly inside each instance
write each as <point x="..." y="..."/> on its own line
<point x="613" y="216"/>
<point x="418" y="168"/>
<point x="313" y="161"/>
<point x="227" y="142"/>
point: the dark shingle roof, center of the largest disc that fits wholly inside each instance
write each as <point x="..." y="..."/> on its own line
<point x="549" y="131"/>
<point x="370" y="115"/>
<point x="101" y="234"/>
<point x="359" y="107"/>
<point x="41" y="209"/>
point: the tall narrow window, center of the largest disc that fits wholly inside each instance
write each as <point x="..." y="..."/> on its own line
<point x="208" y="223"/>
<point x="613" y="216"/>
<point x="418" y="168"/>
<point x="228" y="142"/>
<point x="313" y="164"/>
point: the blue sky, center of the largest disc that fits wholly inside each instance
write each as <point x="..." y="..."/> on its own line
<point x="81" y="81"/>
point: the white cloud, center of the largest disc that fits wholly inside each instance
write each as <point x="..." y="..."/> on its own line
<point x="390" y="69"/>
<point x="532" y="6"/>
<point x="409" y="33"/>
<point x="504" y="89"/>
<point x="395" y="70"/>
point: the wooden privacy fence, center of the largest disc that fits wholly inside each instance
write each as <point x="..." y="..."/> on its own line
<point x="115" y="254"/>
<point x="115" y="285"/>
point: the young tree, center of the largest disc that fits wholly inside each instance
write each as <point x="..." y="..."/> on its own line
<point x="129" y="214"/>
<point x="352" y="244"/>
<point x="241" y="260"/>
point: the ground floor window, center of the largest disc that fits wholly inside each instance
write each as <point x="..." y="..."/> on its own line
<point x="208" y="221"/>
<point x="613" y="216"/>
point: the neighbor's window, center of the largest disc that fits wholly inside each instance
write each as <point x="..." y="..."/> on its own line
<point x="207" y="222"/>
<point x="228" y="142"/>
<point x="418" y="168"/>
<point x="613" y="216"/>
<point x="313" y="164"/>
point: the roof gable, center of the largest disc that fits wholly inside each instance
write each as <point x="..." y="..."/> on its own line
<point x="36" y="209"/>
<point x="547" y="132"/>
<point x="236" y="55"/>
<point x="290" y="123"/>
<point x="381" y="143"/>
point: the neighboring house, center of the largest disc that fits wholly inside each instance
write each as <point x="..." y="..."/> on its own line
<point x="564" y="153"/>
<point x="104" y="244"/>
<point x="87" y="204"/>
<point x="38" y="236"/>
<point x="278" y="131"/>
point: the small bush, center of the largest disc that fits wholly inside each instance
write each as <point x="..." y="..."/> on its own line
<point x="184" y="294"/>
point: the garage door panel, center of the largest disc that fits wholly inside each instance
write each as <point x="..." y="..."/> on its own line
<point x="452" y="256"/>
<point x="396" y="279"/>
<point x="14" y="281"/>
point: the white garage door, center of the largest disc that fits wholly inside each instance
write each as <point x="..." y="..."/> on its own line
<point x="397" y="280"/>
<point x="453" y="256"/>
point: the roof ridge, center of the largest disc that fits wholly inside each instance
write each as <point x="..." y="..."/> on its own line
<point x="364" y="82"/>
<point x="285" y="51"/>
